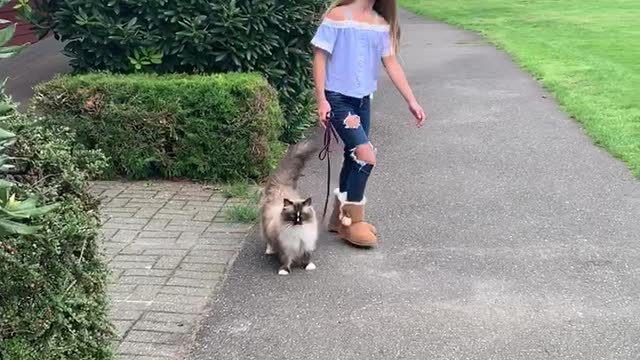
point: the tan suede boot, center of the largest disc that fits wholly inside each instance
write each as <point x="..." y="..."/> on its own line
<point x="334" y="223"/>
<point x="353" y="227"/>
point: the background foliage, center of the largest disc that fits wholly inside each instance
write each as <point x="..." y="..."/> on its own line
<point x="193" y="36"/>
<point x="222" y="127"/>
<point x="6" y="33"/>
<point x="53" y="303"/>
<point x="52" y="278"/>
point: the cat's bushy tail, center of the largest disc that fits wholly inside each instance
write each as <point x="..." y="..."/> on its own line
<point x="290" y="168"/>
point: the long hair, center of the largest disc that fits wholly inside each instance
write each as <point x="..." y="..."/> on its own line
<point x="290" y="168"/>
<point x="387" y="9"/>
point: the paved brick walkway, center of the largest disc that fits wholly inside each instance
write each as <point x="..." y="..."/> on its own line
<point x="168" y="245"/>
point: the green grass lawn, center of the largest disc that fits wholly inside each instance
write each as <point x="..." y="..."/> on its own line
<point x="586" y="52"/>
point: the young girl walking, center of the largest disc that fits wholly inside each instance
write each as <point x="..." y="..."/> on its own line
<point x="354" y="36"/>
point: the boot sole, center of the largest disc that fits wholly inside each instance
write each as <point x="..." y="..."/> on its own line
<point x="362" y="245"/>
<point x="366" y="246"/>
<point x="337" y="231"/>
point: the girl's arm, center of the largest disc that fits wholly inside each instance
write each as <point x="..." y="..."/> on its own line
<point x="319" y="76"/>
<point x="397" y="76"/>
<point x="323" y="42"/>
<point x="319" y="72"/>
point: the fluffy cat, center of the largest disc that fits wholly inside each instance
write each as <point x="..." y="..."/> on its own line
<point x="288" y="221"/>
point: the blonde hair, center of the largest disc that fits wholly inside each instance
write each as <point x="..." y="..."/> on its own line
<point x="387" y="9"/>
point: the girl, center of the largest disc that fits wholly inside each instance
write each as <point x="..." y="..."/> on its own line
<point x="348" y="45"/>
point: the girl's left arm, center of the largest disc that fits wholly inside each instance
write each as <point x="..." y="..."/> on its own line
<point x="397" y="76"/>
<point x="399" y="79"/>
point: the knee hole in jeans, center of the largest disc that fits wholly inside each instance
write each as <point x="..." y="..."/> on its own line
<point x="364" y="154"/>
<point x="351" y="121"/>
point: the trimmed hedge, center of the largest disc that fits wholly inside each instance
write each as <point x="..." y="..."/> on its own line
<point x="194" y="36"/>
<point x="222" y="127"/>
<point x="53" y="302"/>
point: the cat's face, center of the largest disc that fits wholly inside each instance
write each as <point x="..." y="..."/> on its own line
<point x="297" y="212"/>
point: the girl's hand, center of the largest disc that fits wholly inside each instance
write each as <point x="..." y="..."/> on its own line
<point x="324" y="112"/>
<point x="418" y="113"/>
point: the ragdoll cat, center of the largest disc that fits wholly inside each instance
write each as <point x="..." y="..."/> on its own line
<point x="288" y="221"/>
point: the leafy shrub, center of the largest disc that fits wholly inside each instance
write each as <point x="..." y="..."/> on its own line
<point x="53" y="301"/>
<point x="220" y="127"/>
<point x="193" y="36"/>
<point x="14" y="212"/>
<point x="6" y="34"/>
<point x="52" y="279"/>
<point x="7" y="51"/>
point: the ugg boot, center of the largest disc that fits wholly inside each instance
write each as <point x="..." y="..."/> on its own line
<point x="334" y="221"/>
<point x="353" y="227"/>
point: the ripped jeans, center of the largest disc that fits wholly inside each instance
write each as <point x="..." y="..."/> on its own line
<point x="351" y="118"/>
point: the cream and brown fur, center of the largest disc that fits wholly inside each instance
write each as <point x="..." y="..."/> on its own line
<point x="288" y="221"/>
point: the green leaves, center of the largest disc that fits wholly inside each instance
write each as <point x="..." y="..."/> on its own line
<point x="52" y="275"/>
<point x="7" y="33"/>
<point x="7" y="107"/>
<point x="50" y="294"/>
<point x="5" y="36"/>
<point x="194" y="36"/>
<point x="13" y="212"/>
<point x="6" y="139"/>
<point x="219" y="127"/>
<point x="142" y="58"/>
<point x="21" y="210"/>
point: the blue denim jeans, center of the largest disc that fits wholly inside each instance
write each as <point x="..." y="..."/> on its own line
<point x="351" y="118"/>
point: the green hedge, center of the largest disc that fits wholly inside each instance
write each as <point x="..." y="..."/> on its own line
<point x="53" y="303"/>
<point x="222" y="127"/>
<point x="194" y="36"/>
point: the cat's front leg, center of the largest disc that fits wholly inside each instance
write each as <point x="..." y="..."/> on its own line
<point x="306" y="261"/>
<point x="285" y="264"/>
<point x="269" y="250"/>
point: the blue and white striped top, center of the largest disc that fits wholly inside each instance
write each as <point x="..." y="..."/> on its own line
<point x="355" y="51"/>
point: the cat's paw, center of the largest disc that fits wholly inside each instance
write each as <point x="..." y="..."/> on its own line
<point x="283" y="272"/>
<point x="269" y="250"/>
<point x="310" y="266"/>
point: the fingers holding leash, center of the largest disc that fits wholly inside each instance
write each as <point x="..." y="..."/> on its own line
<point x="324" y="112"/>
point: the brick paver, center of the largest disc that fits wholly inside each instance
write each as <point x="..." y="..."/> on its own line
<point x="168" y="245"/>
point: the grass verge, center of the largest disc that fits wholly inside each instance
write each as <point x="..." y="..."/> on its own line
<point x="248" y="196"/>
<point x="583" y="51"/>
<point x="243" y="213"/>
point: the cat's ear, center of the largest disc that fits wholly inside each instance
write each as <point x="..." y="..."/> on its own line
<point x="307" y="202"/>
<point x="288" y="202"/>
